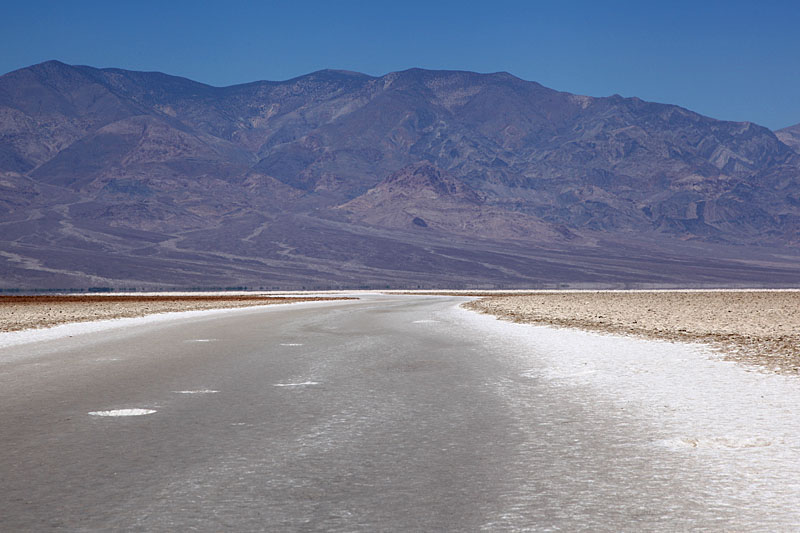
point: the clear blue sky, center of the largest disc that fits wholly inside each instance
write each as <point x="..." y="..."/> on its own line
<point x="731" y="60"/>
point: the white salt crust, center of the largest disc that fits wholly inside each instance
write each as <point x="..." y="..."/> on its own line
<point x="740" y="423"/>
<point x="123" y="412"/>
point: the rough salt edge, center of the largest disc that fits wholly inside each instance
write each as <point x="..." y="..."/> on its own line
<point x="15" y="338"/>
<point x="736" y="428"/>
<point x="692" y="351"/>
<point x="730" y="388"/>
<point x="729" y="348"/>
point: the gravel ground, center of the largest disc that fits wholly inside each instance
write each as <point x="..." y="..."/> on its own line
<point x="754" y="327"/>
<point x="27" y="312"/>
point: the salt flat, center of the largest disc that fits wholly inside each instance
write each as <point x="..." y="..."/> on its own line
<point x="389" y="413"/>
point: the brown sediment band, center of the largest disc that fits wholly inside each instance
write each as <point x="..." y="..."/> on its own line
<point x="19" y="312"/>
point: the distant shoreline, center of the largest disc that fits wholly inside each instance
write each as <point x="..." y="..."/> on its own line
<point x="19" y="313"/>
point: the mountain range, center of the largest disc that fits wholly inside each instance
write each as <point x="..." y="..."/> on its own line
<point x="418" y="178"/>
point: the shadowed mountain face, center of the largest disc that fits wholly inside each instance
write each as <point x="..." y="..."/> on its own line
<point x="431" y="178"/>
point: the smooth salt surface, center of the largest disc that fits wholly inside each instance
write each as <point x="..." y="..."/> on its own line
<point x="15" y="338"/>
<point x="424" y="321"/>
<point x="123" y="412"/>
<point x="199" y="391"/>
<point x="303" y="384"/>
<point x="738" y="424"/>
<point x="291" y="344"/>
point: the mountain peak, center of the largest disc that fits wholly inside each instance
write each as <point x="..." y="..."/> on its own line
<point x="48" y="68"/>
<point x="421" y="74"/>
<point x="51" y="63"/>
<point x="343" y="72"/>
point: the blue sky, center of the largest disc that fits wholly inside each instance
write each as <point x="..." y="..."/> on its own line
<point x="730" y="60"/>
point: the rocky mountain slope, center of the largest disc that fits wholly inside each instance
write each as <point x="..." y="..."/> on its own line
<point x="790" y="137"/>
<point x="431" y="178"/>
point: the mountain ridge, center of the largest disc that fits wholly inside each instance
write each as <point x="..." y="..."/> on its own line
<point x="220" y="172"/>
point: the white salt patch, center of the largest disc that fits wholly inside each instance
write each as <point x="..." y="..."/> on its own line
<point x="291" y="344"/>
<point x="200" y="391"/>
<point x="425" y="321"/>
<point x="303" y="384"/>
<point x="200" y="340"/>
<point x="123" y="412"/>
<point x="739" y="424"/>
